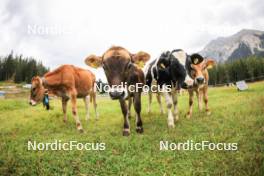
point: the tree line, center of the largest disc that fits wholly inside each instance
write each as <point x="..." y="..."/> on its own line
<point x="249" y="69"/>
<point x="20" y="69"/>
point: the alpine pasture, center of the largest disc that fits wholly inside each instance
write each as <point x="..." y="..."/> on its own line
<point x="237" y="117"/>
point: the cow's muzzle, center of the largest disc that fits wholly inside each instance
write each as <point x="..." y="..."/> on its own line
<point x="188" y="83"/>
<point x="32" y="102"/>
<point x="200" y="80"/>
<point x="118" y="94"/>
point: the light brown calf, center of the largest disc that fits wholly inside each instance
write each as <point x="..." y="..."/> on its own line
<point x="199" y="74"/>
<point x="123" y="68"/>
<point x="69" y="83"/>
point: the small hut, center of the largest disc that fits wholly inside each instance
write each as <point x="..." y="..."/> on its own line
<point x="2" y="94"/>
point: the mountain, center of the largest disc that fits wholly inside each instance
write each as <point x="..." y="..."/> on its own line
<point x="240" y="45"/>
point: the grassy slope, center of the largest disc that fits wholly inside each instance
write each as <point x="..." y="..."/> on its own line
<point x="236" y="117"/>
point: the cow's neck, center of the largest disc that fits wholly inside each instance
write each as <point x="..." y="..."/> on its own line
<point x="48" y="81"/>
<point x="135" y="76"/>
<point x="188" y="66"/>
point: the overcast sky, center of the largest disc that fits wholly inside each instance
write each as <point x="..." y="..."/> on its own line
<point x="66" y="31"/>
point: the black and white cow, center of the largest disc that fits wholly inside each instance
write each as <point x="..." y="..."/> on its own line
<point x="169" y="72"/>
<point x="179" y="70"/>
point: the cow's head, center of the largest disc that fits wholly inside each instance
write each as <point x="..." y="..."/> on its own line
<point x="118" y="65"/>
<point x="170" y="66"/>
<point x="199" y="66"/>
<point x="37" y="91"/>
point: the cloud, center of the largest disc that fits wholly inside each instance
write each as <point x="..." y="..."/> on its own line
<point x="74" y="29"/>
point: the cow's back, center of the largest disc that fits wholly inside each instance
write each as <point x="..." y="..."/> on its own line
<point x="69" y="77"/>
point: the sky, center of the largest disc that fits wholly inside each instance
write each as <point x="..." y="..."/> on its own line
<point x="59" y="32"/>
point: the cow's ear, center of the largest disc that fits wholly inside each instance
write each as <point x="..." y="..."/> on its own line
<point x="196" y="58"/>
<point x="93" y="61"/>
<point x="210" y="63"/>
<point x="36" y="80"/>
<point x="33" y="78"/>
<point x="140" y="58"/>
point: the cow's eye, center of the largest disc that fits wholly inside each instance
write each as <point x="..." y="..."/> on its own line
<point x="33" y="94"/>
<point x="193" y="73"/>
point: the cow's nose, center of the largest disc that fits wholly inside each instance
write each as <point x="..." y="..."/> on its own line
<point x="116" y="94"/>
<point x="200" y="80"/>
<point x="32" y="103"/>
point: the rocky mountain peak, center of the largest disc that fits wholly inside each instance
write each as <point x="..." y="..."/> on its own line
<point x="242" y="44"/>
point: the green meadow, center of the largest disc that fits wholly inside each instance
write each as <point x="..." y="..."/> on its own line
<point x="237" y="117"/>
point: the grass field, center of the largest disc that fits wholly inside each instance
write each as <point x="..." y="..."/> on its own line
<point x="237" y="117"/>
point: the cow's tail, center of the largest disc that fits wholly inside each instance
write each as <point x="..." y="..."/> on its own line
<point x="93" y="92"/>
<point x="93" y="97"/>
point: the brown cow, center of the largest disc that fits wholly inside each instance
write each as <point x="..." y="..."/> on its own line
<point x="120" y="67"/>
<point x="199" y="73"/>
<point x="67" y="82"/>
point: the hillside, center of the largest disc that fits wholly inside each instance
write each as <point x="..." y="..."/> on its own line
<point x="240" y="45"/>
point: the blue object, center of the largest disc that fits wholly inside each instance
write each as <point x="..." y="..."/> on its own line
<point x="2" y="93"/>
<point x="46" y="101"/>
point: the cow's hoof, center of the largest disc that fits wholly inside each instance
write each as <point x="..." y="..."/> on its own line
<point x="176" y="118"/>
<point x="188" y="116"/>
<point x="149" y="111"/>
<point x="126" y="133"/>
<point x="171" y="125"/>
<point x="64" y="120"/>
<point x="81" y="130"/>
<point x="208" y="113"/>
<point x="139" y="130"/>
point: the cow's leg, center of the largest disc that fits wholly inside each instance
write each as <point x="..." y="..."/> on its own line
<point x="137" y="106"/>
<point x="74" y="112"/>
<point x="159" y="102"/>
<point x="129" y="107"/>
<point x="189" y="114"/>
<point x="175" y="103"/>
<point x="64" y="109"/>
<point x="205" y="92"/>
<point x="199" y="94"/>
<point x="149" y="101"/>
<point x="93" y="99"/>
<point x="86" y="102"/>
<point x="168" y="99"/>
<point x="126" y="128"/>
